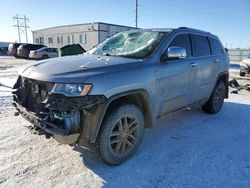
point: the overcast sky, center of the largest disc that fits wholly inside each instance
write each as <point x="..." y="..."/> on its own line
<point x="230" y="20"/>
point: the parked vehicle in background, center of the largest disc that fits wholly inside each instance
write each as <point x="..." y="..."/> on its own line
<point x="23" y="50"/>
<point x="13" y="48"/>
<point x="44" y="53"/>
<point x="245" y="66"/>
<point x="4" y="51"/>
<point x="105" y="98"/>
<point x="72" y="49"/>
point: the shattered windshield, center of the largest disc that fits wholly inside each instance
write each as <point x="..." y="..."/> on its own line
<point x="135" y="44"/>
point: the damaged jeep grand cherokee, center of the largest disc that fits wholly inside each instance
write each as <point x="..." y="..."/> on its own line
<point x="105" y="98"/>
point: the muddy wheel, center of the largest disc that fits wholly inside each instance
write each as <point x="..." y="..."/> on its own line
<point x="214" y="104"/>
<point x="121" y="135"/>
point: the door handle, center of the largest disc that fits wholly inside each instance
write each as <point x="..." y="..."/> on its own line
<point x="193" y="64"/>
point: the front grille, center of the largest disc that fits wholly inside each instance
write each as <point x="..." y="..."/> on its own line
<point x="32" y="94"/>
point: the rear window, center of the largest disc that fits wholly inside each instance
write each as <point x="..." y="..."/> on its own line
<point x="215" y="47"/>
<point x="32" y="46"/>
<point x="15" y="45"/>
<point x="200" y="46"/>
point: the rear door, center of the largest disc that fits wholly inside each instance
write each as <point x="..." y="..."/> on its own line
<point x="175" y="78"/>
<point x="203" y="63"/>
<point x="53" y="52"/>
<point x="218" y="55"/>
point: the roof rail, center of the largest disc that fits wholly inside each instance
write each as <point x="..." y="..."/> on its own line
<point x="183" y="28"/>
<point x="194" y="29"/>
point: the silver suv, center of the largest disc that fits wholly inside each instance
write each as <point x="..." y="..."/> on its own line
<point x="105" y="98"/>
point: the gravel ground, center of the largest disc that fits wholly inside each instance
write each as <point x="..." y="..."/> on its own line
<point x="189" y="149"/>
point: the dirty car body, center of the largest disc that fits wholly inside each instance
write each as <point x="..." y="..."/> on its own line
<point x="69" y="98"/>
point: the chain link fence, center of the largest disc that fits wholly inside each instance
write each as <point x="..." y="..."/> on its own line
<point x="237" y="55"/>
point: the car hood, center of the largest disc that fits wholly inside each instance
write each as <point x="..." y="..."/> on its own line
<point x="76" y="69"/>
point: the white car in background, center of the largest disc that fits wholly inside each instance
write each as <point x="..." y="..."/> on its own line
<point x="44" y="53"/>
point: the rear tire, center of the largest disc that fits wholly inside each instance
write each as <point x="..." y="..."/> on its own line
<point x="45" y="57"/>
<point x="120" y="135"/>
<point x="215" y="102"/>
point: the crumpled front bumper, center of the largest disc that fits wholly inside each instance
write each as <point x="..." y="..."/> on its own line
<point x="42" y="111"/>
<point x="49" y="129"/>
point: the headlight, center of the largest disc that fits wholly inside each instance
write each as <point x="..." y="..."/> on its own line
<point x="72" y="90"/>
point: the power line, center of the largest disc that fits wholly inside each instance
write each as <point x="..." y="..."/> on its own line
<point x="21" y="24"/>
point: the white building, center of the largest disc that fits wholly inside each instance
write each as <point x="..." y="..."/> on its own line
<point x="87" y="35"/>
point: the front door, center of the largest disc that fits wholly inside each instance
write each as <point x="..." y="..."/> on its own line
<point x="176" y="79"/>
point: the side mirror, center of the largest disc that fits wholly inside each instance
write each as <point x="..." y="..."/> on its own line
<point x="174" y="53"/>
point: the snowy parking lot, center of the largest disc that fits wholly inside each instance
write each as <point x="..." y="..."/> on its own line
<point x="188" y="149"/>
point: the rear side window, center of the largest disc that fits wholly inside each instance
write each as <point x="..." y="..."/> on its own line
<point x="183" y="41"/>
<point x="200" y="46"/>
<point x="52" y="49"/>
<point x="215" y="47"/>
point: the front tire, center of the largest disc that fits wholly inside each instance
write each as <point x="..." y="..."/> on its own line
<point x="120" y="135"/>
<point x="215" y="102"/>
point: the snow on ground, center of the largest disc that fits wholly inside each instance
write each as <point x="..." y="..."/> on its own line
<point x="189" y="149"/>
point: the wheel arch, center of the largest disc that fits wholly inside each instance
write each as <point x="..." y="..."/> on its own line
<point x="138" y="97"/>
<point x="224" y="76"/>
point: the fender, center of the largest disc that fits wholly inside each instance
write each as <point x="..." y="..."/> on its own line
<point x="92" y="120"/>
<point x="226" y="74"/>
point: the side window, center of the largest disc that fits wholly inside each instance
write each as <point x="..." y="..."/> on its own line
<point x="82" y="38"/>
<point x="182" y="40"/>
<point x="215" y="46"/>
<point x="50" y="40"/>
<point x="68" y="37"/>
<point x="37" y="40"/>
<point x="53" y="50"/>
<point x="200" y="45"/>
<point x="58" y="40"/>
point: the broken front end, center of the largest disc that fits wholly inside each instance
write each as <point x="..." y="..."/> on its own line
<point x="62" y="111"/>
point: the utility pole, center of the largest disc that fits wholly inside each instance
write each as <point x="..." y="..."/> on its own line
<point x="25" y="26"/>
<point x="136" y="13"/>
<point x="21" y="24"/>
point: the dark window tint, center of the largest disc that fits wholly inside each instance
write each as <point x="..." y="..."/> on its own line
<point x="215" y="47"/>
<point x="52" y="50"/>
<point x="200" y="45"/>
<point x="183" y="41"/>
